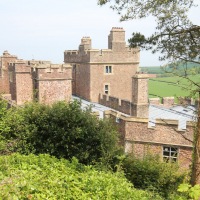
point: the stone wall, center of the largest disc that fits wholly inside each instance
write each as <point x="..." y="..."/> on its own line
<point x="5" y="59"/>
<point x="27" y="80"/>
<point x="53" y="82"/>
<point x="90" y="76"/>
<point x="120" y="105"/>
<point x="21" y="84"/>
<point x="170" y="101"/>
<point x="140" y="139"/>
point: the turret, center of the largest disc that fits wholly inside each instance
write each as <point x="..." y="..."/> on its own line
<point x="116" y="39"/>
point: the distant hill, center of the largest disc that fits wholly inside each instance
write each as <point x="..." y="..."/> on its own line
<point x="160" y="71"/>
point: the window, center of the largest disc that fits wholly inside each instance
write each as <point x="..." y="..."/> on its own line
<point x="170" y="154"/>
<point x="74" y="68"/>
<point x="106" y="89"/>
<point x="108" y="69"/>
<point x="11" y="77"/>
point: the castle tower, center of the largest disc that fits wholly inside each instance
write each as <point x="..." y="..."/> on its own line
<point x="21" y="85"/>
<point x="140" y="95"/>
<point x="86" y="44"/>
<point x="52" y="82"/>
<point x="103" y="71"/>
<point x="116" y="39"/>
<point x="5" y="59"/>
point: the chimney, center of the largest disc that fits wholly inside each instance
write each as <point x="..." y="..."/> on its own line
<point x="140" y="96"/>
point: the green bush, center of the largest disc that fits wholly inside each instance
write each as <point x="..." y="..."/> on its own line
<point x="46" y="177"/>
<point x="151" y="174"/>
<point x="62" y="130"/>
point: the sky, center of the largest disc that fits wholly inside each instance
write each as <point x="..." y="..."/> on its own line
<point x="44" y="29"/>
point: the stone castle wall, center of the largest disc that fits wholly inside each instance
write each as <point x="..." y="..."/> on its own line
<point x="26" y="81"/>
<point x="89" y="71"/>
<point x="140" y="139"/>
<point x="53" y="83"/>
<point x="5" y="59"/>
<point x="21" y="85"/>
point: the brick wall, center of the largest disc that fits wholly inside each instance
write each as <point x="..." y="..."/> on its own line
<point x="81" y="80"/>
<point x="5" y="59"/>
<point x="120" y="105"/>
<point x="140" y="139"/>
<point x="90" y="76"/>
<point x="21" y="84"/>
<point x="53" y="83"/>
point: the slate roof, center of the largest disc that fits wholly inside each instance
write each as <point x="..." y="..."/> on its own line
<point x="180" y="113"/>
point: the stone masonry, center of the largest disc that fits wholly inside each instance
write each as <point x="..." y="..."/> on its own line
<point x="107" y="71"/>
<point x="5" y="59"/>
<point x="35" y="80"/>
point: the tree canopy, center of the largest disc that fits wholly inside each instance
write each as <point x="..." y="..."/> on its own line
<point x="62" y="130"/>
<point x="176" y="37"/>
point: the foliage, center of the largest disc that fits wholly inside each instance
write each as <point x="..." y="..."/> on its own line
<point x="46" y="177"/>
<point x="189" y="191"/>
<point x="63" y="130"/>
<point x="152" y="174"/>
<point x="176" y="37"/>
<point x="3" y="111"/>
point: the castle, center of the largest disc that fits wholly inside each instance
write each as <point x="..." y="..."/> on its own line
<point x="110" y="77"/>
<point x="24" y="81"/>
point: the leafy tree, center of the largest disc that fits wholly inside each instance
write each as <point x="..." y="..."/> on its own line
<point x="176" y="38"/>
<point x="63" y="130"/>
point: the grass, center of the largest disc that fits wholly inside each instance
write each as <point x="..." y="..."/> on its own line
<point x="160" y="71"/>
<point x="172" y="86"/>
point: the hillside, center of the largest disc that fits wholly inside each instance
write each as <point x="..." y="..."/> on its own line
<point x="160" y="71"/>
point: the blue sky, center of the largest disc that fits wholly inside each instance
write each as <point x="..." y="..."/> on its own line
<point x="43" y="29"/>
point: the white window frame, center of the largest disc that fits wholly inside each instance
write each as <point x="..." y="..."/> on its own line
<point x="170" y="153"/>
<point x="107" y="89"/>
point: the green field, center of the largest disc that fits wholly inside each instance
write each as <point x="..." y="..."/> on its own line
<point x="172" y="86"/>
<point x="161" y="72"/>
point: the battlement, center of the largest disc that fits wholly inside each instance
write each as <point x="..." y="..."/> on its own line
<point x="121" y="105"/>
<point x="170" y="101"/>
<point x="6" y="54"/>
<point x="117" y="29"/>
<point x="71" y="52"/>
<point x="37" y="62"/>
<point x="117" y="52"/>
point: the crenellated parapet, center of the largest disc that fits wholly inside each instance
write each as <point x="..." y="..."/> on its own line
<point x="168" y="102"/>
<point x="40" y="80"/>
<point x="44" y="71"/>
<point x="117" y="52"/>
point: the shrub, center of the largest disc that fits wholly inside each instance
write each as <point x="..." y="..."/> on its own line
<point x="62" y="130"/>
<point x="45" y="177"/>
<point x="152" y="174"/>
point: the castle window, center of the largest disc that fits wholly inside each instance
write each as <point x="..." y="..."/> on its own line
<point x="108" y="69"/>
<point x="74" y="68"/>
<point x="11" y="77"/>
<point x="170" y="154"/>
<point x="106" y="89"/>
